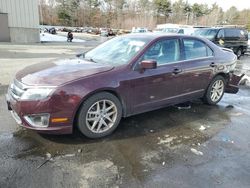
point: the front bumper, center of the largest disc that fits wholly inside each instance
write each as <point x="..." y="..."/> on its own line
<point x="19" y="109"/>
<point x="233" y="83"/>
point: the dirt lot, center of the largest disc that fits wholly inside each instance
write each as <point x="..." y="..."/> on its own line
<point x="204" y="146"/>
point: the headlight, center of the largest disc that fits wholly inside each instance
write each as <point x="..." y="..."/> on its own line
<point x="36" y="93"/>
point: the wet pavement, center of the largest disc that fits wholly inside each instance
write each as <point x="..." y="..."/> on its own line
<point x="204" y="146"/>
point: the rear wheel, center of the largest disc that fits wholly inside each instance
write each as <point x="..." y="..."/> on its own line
<point x="215" y="91"/>
<point x="99" y="115"/>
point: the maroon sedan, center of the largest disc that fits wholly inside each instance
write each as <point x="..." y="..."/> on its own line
<point x="124" y="76"/>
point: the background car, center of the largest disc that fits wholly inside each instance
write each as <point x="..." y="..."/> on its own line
<point x="106" y="32"/>
<point x="139" y="30"/>
<point x="51" y="30"/>
<point x="66" y="30"/>
<point x="186" y="31"/>
<point x="77" y="30"/>
<point x="228" y="37"/>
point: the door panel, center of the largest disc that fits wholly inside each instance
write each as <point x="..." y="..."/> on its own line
<point x="155" y="88"/>
<point x="198" y="66"/>
<point x="197" y="75"/>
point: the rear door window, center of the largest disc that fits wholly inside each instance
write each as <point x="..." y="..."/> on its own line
<point x="235" y="33"/>
<point x="194" y="49"/>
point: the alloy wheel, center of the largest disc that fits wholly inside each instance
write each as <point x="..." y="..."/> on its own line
<point x="101" y="116"/>
<point x="217" y="90"/>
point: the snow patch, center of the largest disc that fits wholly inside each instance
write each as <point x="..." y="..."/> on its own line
<point x="196" y="152"/>
<point x="46" y="37"/>
<point x="167" y="140"/>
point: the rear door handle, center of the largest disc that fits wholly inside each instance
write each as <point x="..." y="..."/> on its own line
<point x="177" y="71"/>
<point x="212" y="65"/>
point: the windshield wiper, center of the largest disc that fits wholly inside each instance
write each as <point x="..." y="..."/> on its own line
<point x="91" y="59"/>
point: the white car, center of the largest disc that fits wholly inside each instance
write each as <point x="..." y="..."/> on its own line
<point x="139" y="30"/>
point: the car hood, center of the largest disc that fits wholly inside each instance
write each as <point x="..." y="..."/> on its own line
<point x="58" y="72"/>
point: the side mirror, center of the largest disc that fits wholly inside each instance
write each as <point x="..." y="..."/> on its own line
<point x="148" y="64"/>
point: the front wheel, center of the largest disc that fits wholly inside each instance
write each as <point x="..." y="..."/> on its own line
<point x="99" y="115"/>
<point x="215" y="91"/>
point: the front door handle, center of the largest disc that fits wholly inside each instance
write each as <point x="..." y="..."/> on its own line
<point x="212" y="65"/>
<point x="177" y="71"/>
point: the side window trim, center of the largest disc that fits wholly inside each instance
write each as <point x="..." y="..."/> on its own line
<point x="208" y="48"/>
<point x="184" y="54"/>
<point x="179" y="59"/>
<point x="161" y="40"/>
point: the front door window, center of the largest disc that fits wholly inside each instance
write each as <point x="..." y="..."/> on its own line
<point x="164" y="52"/>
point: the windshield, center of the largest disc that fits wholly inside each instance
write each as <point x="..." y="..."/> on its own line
<point x="207" y="33"/>
<point x="117" y="51"/>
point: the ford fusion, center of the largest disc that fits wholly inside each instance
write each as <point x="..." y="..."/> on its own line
<point x="124" y="76"/>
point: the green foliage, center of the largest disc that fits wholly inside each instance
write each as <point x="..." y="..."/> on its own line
<point x="231" y="15"/>
<point x="197" y="10"/>
<point x="129" y="13"/>
<point x="74" y="4"/>
<point x="187" y="8"/>
<point x="93" y="3"/>
<point x="66" y="11"/>
<point x="163" y="7"/>
<point x="64" y="17"/>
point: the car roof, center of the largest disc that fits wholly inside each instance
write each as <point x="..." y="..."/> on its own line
<point x="156" y="35"/>
<point x="217" y="28"/>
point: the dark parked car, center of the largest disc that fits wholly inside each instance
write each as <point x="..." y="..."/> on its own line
<point x="232" y="38"/>
<point x="51" y="30"/>
<point x="126" y="75"/>
<point x="106" y="32"/>
<point x="66" y="30"/>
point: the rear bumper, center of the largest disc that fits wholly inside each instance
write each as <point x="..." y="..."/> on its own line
<point x="233" y="83"/>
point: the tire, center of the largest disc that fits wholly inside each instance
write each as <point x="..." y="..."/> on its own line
<point x="239" y="52"/>
<point x="210" y="97"/>
<point x="99" y="115"/>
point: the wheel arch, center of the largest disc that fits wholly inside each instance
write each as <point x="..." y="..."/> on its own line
<point x="108" y="90"/>
<point x="224" y="75"/>
<point x="205" y="98"/>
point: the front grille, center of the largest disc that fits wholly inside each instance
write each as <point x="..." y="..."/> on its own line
<point x="17" y="89"/>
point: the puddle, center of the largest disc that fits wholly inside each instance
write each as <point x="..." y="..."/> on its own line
<point x="148" y="141"/>
<point x="26" y="144"/>
<point x="140" y="145"/>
